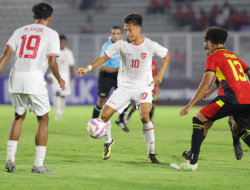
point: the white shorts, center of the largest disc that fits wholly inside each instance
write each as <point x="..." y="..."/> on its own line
<point x="38" y="103"/>
<point x="121" y="97"/>
<point x="56" y="88"/>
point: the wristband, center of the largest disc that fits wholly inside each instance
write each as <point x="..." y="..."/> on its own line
<point x="90" y="67"/>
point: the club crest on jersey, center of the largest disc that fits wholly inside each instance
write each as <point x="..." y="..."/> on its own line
<point x="143" y="55"/>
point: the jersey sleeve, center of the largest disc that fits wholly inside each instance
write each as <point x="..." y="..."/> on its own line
<point x="71" y="59"/>
<point x="113" y="49"/>
<point x="244" y="67"/>
<point x="210" y="64"/>
<point x="12" y="42"/>
<point x="54" y="45"/>
<point x="159" y="50"/>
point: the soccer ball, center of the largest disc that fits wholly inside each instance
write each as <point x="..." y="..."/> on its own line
<point x="96" y="128"/>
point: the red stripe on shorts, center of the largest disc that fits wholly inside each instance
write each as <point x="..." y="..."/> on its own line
<point x="210" y="110"/>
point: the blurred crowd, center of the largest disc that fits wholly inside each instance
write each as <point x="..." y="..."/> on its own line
<point x="90" y="4"/>
<point x="224" y="16"/>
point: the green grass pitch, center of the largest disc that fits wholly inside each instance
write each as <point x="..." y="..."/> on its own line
<point x="77" y="158"/>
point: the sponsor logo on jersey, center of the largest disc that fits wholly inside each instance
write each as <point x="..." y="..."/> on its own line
<point x="128" y="54"/>
<point x="143" y="55"/>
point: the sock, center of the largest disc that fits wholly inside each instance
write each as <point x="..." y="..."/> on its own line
<point x="107" y="135"/>
<point x="11" y="150"/>
<point x="39" y="155"/>
<point x="131" y="111"/>
<point x="197" y="138"/>
<point x="57" y="105"/>
<point x="236" y="139"/>
<point x="149" y="136"/>
<point x="121" y="117"/>
<point x="151" y="113"/>
<point x="63" y="104"/>
<point x="96" y="111"/>
<point x="245" y="136"/>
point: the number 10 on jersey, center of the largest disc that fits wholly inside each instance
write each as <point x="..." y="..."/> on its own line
<point x="135" y="63"/>
<point x="28" y="46"/>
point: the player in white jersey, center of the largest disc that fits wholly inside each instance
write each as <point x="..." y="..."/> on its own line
<point x="31" y="45"/>
<point x="66" y="66"/>
<point x="135" y="79"/>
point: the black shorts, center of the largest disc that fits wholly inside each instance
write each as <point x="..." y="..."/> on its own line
<point x="105" y="82"/>
<point x="218" y="109"/>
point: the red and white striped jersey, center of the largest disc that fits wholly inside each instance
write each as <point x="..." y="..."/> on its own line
<point x="32" y="45"/>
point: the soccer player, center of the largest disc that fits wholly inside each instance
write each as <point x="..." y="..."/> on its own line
<point x="31" y="45"/>
<point x="108" y="77"/>
<point x="228" y="70"/>
<point x="66" y="63"/>
<point x="155" y="93"/>
<point x="236" y="140"/>
<point x="135" y="79"/>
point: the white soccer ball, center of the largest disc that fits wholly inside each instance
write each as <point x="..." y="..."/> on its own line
<point x="96" y="128"/>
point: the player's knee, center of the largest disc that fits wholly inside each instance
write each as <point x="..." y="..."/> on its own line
<point x="43" y="119"/>
<point x="22" y="117"/>
<point x="145" y="117"/>
<point x="104" y="117"/>
<point x="236" y="128"/>
<point x="101" y="102"/>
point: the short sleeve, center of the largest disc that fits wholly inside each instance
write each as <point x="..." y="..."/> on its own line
<point x="71" y="58"/>
<point x="159" y="50"/>
<point x="54" y="45"/>
<point x="210" y="64"/>
<point x="244" y="67"/>
<point x="12" y="42"/>
<point x="113" y="49"/>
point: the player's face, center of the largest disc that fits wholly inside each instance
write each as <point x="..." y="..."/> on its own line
<point x="63" y="44"/>
<point x="207" y="49"/>
<point x="116" y="34"/>
<point x="132" y="31"/>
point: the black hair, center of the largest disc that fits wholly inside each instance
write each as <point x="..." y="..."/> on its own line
<point x="216" y="35"/>
<point x="117" y="27"/>
<point x="133" y="18"/>
<point x="42" y="11"/>
<point x="62" y="37"/>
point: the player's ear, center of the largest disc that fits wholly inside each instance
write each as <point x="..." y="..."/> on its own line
<point x="34" y="18"/>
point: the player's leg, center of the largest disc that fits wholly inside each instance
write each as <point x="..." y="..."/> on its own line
<point x="40" y="106"/>
<point x="19" y="105"/>
<point x="187" y="154"/>
<point x="151" y="113"/>
<point x="57" y="101"/>
<point x="120" y="120"/>
<point x="236" y="141"/>
<point x="98" y="107"/>
<point x="133" y="108"/>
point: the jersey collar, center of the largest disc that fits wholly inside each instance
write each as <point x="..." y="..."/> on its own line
<point x="139" y="43"/>
<point x="219" y="49"/>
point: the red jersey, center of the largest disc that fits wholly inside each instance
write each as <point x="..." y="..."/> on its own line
<point x="229" y="71"/>
<point x="154" y="72"/>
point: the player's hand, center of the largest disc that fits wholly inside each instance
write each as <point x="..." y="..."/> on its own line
<point x="157" y="80"/>
<point x="82" y="71"/>
<point x="204" y="97"/>
<point x="62" y="84"/>
<point x="185" y="110"/>
<point x="50" y="80"/>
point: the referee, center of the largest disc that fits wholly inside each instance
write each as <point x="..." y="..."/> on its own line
<point x="108" y="77"/>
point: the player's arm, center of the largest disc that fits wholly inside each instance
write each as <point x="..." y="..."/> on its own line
<point x="5" y="57"/>
<point x="212" y="89"/>
<point x="97" y="63"/>
<point x="205" y="84"/>
<point x="164" y="66"/>
<point x="107" y="68"/>
<point x="248" y="74"/>
<point x="72" y="71"/>
<point x="54" y="69"/>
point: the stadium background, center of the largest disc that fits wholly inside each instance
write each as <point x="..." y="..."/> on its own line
<point x="176" y="24"/>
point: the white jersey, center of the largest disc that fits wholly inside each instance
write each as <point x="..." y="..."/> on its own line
<point x="31" y="45"/>
<point x="65" y="60"/>
<point x="135" y="69"/>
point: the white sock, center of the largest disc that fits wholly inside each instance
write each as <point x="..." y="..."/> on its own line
<point x="63" y="103"/>
<point x="11" y="150"/>
<point x="107" y="135"/>
<point x="57" y="105"/>
<point x="39" y="155"/>
<point x="149" y="136"/>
